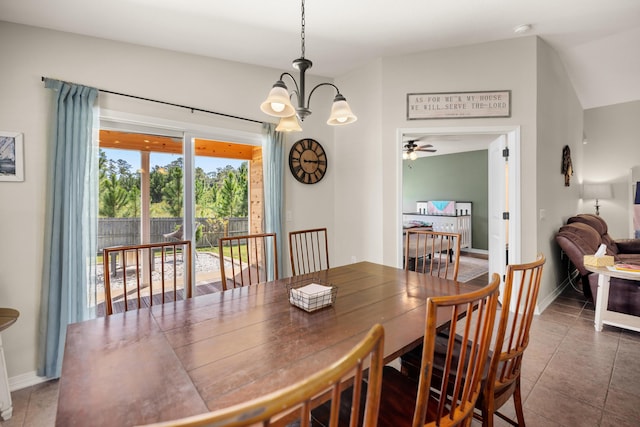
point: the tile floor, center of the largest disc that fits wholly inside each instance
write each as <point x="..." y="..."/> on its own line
<point x="572" y="376"/>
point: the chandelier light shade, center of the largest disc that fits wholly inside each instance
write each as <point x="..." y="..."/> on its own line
<point x="278" y="102"/>
<point x="340" y="112"/>
<point x="289" y="124"/>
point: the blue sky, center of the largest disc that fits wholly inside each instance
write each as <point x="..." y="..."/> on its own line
<point x="208" y="164"/>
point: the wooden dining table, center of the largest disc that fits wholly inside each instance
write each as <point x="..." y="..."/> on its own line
<point x="212" y="351"/>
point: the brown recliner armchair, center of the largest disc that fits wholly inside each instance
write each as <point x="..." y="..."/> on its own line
<point x="582" y="236"/>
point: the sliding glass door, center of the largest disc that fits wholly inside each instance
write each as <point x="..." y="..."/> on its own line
<point x="162" y="188"/>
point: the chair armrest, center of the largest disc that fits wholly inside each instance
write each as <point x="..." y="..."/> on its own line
<point x="574" y="252"/>
<point x="628" y="246"/>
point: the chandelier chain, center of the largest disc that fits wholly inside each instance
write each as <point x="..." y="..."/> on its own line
<point x="302" y="32"/>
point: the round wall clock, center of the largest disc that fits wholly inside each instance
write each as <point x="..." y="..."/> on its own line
<point x="307" y="161"/>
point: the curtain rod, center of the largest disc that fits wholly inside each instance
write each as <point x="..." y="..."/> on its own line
<point x="172" y="104"/>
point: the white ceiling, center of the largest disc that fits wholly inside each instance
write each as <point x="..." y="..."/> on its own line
<point x="598" y="40"/>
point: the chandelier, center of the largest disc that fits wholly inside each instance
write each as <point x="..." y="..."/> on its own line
<point x="278" y="103"/>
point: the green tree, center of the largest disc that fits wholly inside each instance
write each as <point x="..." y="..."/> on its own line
<point x="157" y="181"/>
<point x="224" y="205"/>
<point x="243" y="189"/>
<point x="172" y="192"/>
<point x="112" y="197"/>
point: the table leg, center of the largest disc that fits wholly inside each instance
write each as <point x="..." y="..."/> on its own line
<point x="602" y="300"/>
<point x="6" y="406"/>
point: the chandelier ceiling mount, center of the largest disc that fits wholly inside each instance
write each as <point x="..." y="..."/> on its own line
<point x="278" y="103"/>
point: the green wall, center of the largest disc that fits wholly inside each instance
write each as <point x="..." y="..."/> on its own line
<point x="461" y="177"/>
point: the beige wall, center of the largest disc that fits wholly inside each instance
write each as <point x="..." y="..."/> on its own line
<point x="491" y="66"/>
<point x="613" y="133"/>
<point x="559" y="123"/>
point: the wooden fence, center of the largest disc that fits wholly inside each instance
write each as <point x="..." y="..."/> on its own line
<point x="126" y="231"/>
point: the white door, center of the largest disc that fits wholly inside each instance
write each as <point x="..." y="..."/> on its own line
<point x="498" y="205"/>
<point x="504" y="203"/>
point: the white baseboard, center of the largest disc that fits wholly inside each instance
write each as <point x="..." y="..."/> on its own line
<point x="475" y="251"/>
<point x="25" y="380"/>
<point x="542" y="305"/>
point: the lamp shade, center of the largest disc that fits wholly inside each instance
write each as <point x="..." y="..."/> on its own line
<point x="340" y="112"/>
<point x="278" y="103"/>
<point x="289" y="124"/>
<point x="596" y="191"/>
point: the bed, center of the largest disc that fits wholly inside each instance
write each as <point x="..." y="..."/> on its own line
<point x="447" y="216"/>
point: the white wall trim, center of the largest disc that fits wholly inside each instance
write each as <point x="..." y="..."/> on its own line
<point x="135" y="122"/>
<point x="25" y="380"/>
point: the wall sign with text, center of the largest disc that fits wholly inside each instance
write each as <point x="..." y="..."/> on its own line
<point x="458" y="105"/>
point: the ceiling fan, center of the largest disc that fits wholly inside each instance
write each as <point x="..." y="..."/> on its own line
<point x="410" y="149"/>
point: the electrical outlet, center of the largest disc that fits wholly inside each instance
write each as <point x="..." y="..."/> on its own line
<point x="353" y="259"/>
<point x="289" y="216"/>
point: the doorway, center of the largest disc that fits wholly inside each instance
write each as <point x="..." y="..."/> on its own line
<point x="503" y="145"/>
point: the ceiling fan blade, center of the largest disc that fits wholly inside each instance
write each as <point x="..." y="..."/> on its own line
<point x="428" y="150"/>
<point x="425" y="146"/>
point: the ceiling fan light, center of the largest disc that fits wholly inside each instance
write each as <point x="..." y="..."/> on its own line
<point x="289" y="124"/>
<point x="278" y="103"/>
<point x="405" y="155"/>
<point x="413" y="155"/>
<point x="340" y="112"/>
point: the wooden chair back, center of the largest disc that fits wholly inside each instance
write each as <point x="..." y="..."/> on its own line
<point x="519" y="299"/>
<point x="432" y="252"/>
<point x="465" y="356"/>
<point x="138" y="276"/>
<point x="446" y="397"/>
<point x="244" y="260"/>
<point x="308" y="250"/>
<point x="293" y="404"/>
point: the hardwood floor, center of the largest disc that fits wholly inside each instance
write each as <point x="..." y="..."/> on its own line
<point x="572" y="375"/>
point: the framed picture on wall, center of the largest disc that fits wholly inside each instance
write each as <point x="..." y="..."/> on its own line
<point x="11" y="157"/>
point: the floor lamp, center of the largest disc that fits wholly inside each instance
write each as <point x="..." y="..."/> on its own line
<point x="597" y="192"/>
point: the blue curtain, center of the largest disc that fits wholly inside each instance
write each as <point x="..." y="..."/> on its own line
<point x="68" y="276"/>
<point x="273" y="161"/>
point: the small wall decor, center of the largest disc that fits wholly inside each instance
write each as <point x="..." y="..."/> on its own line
<point x="567" y="167"/>
<point x="11" y="157"/>
<point x="458" y="105"/>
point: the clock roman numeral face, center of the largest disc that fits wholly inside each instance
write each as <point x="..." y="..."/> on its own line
<point x="307" y="161"/>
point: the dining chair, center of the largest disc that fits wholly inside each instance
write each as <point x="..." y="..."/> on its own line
<point x="149" y="274"/>
<point x="502" y="381"/>
<point x="448" y="399"/>
<point x="519" y="300"/>
<point x="308" y="250"/>
<point x="247" y="259"/>
<point x="436" y="253"/>
<point x="432" y="252"/>
<point x="293" y="404"/>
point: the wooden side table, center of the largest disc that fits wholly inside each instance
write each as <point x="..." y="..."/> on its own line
<point x="602" y="314"/>
<point x="8" y="317"/>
